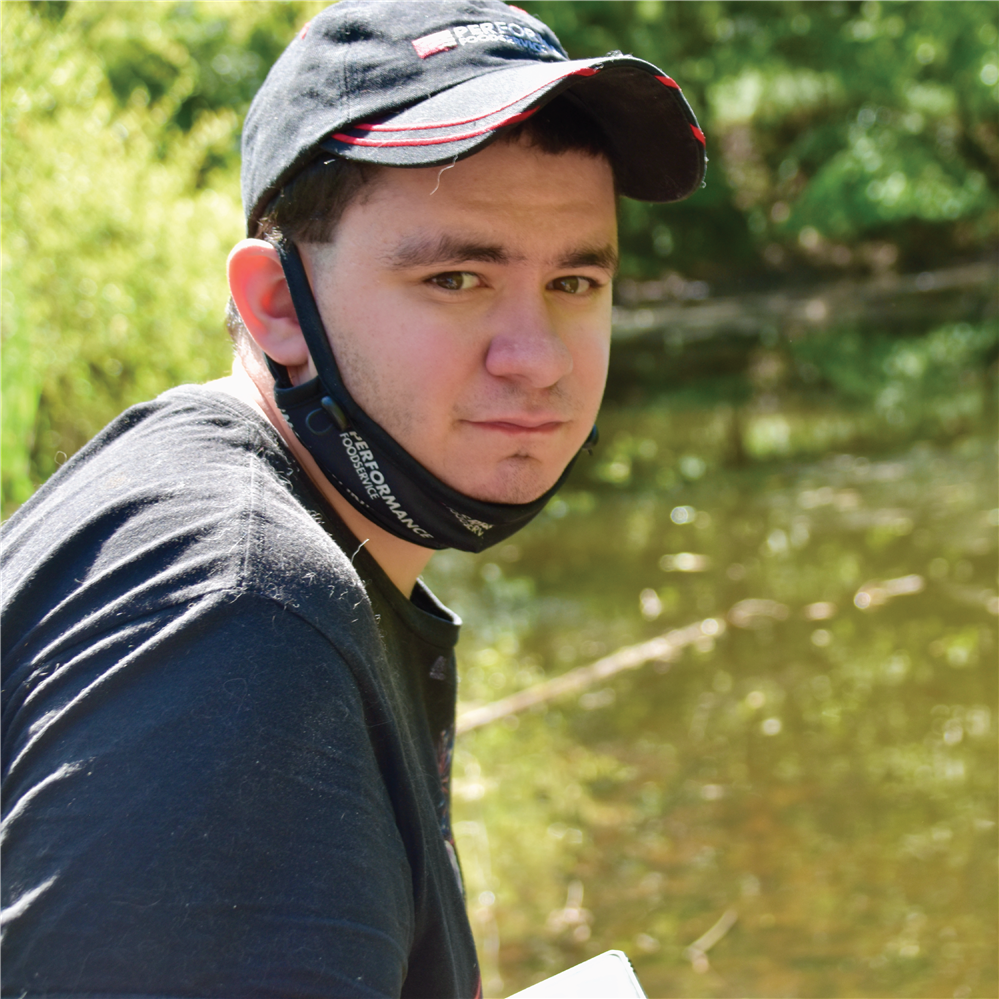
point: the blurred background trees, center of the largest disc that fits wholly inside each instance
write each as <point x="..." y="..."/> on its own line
<point x="844" y="139"/>
<point x="842" y="136"/>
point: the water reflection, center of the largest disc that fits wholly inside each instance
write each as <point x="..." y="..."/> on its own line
<point x="815" y="769"/>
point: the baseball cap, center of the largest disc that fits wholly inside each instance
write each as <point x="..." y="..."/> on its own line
<point x="408" y="83"/>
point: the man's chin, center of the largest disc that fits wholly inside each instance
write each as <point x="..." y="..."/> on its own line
<point x="524" y="482"/>
<point x="512" y="497"/>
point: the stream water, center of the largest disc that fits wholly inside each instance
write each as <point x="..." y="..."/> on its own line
<point x="814" y="779"/>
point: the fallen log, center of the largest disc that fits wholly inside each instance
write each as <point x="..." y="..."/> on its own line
<point x="889" y="299"/>
<point x="664" y="648"/>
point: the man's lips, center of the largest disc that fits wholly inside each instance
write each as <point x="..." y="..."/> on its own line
<point x="520" y="425"/>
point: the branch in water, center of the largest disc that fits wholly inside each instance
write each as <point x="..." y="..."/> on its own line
<point x="665" y="648"/>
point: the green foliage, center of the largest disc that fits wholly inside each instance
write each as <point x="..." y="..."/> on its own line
<point x="120" y="202"/>
<point x="840" y="135"/>
<point x="926" y="375"/>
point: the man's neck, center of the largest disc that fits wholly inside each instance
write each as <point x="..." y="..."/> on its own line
<point x="400" y="560"/>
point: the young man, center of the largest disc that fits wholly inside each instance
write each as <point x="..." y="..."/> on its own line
<point x="228" y="699"/>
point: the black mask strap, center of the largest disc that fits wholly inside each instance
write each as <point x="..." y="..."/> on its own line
<point x="370" y="470"/>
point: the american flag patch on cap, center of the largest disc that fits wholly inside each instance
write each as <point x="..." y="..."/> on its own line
<point x="439" y="41"/>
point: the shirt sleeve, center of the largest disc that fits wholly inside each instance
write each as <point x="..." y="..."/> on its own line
<point x="195" y="807"/>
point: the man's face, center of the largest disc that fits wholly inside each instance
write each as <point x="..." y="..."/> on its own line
<point x="469" y="310"/>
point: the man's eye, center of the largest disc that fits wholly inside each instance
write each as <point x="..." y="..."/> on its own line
<point x="572" y="285"/>
<point x="455" y="280"/>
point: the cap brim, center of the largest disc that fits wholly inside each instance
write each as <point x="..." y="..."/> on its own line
<point x="656" y="146"/>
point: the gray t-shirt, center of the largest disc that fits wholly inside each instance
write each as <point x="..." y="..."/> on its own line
<point x="226" y="735"/>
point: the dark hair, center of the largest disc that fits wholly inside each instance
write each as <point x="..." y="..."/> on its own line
<point x="308" y="209"/>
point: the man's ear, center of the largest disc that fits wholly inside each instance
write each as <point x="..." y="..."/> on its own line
<point x="259" y="289"/>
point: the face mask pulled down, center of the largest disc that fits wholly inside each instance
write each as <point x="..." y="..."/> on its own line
<point x="367" y="467"/>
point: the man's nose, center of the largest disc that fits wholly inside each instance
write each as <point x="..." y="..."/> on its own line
<point x="526" y="345"/>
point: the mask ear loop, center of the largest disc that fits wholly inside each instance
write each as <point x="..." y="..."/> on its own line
<point x="311" y="324"/>
<point x="308" y="314"/>
<point x="278" y="372"/>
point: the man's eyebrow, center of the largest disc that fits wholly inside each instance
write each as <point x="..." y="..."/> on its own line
<point x="428" y="251"/>
<point x="444" y="248"/>
<point x="596" y="256"/>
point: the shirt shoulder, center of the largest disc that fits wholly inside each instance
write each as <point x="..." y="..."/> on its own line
<point x="190" y="494"/>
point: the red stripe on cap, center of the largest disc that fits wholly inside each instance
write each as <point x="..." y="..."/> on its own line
<point x="352" y="141"/>
<point x="699" y="135"/>
<point x="585" y="71"/>
<point x="669" y="81"/>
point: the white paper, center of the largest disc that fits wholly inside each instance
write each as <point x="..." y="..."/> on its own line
<point x="606" y="976"/>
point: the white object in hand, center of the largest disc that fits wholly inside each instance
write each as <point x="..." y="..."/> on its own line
<point x="606" y="976"/>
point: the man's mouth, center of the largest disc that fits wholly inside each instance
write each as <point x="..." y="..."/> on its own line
<point x="520" y="426"/>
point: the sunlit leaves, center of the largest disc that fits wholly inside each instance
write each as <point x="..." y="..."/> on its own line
<point x="113" y="251"/>
<point x="774" y="83"/>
